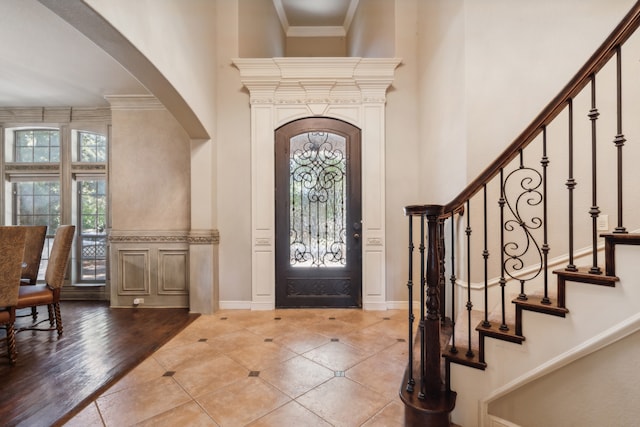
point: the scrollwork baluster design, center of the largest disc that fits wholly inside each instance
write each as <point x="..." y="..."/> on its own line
<point x="527" y="195"/>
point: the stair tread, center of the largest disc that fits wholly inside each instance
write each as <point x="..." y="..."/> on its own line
<point x="534" y="303"/>
<point x="583" y="275"/>
<point x="462" y="357"/>
<point x="494" y="331"/>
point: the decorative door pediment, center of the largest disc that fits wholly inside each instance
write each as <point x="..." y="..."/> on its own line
<point x="349" y="89"/>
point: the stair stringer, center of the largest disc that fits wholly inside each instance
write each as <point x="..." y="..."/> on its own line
<point x="592" y="310"/>
<point x="601" y="341"/>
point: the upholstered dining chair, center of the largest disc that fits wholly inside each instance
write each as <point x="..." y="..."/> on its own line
<point x="33" y="245"/>
<point x="11" y="252"/>
<point x="49" y="293"/>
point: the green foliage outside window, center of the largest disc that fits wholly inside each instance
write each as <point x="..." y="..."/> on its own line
<point x="37" y="146"/>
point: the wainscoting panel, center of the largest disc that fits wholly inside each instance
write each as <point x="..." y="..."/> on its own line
<point x="151" y="267"/>
<point x="173" y="272"/>
<point x="134" y="272"/>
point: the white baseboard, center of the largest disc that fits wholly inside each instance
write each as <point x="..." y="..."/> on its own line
<point x="375" y="306"/>
<point x="402" y="305"/>
<point x="235" y="305"/>
<point x="262" y="306"/>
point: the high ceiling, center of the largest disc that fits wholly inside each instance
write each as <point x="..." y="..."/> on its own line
<point x="46" y="62"/>
<point x="315" y="17"/>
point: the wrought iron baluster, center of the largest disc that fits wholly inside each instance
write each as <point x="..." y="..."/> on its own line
<point x="571" y="185"/>
<point x="503" y="281"/>
<point x="619" y="140"/>
<point x="595" y="210"/>
<point x="442" y="279"/>
<point x="485" y="255"/>
<point x="545" y="245"/>
<point x="469" y="304"/>
<point x="411" y="382"/>
<point x="423" y="279"/>
<point x="522" y="296"/>
<point x="452" y="279"/>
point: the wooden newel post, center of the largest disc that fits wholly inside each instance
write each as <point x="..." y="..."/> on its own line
<point x="433" y="404"/>
<point x="432" y="374"/>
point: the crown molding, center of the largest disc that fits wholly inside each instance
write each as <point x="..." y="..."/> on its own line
<point x="315" y="31"/>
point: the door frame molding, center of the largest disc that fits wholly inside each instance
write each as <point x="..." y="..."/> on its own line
<point x="285" y="89"/>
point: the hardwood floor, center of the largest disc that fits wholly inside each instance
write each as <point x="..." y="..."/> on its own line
<point x="54" y="378"/>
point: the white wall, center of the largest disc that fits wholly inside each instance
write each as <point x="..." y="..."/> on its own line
<point x="521" y="50"/>
<point x="233" y="168"/>
<point x="403" y="147"/>
<point x="598" y="390"/>
<point x="316" y="46"/>
<point x="442" y="99"/>
<point x="259" y="30"/>
<point x="372" y="30"/>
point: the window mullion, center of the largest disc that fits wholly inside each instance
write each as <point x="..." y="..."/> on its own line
<point x="66" y="192"/>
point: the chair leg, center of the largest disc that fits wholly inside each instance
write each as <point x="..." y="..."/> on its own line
<point x="11" y="344"/>
<point x="34" y="314"/>
<point x="58" y="318"/>
<point x="50" y="310"/>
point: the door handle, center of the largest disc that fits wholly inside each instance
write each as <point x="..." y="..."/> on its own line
<point x="356" y="236"/>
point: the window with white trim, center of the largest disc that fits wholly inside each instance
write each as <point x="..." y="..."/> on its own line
<point x="57" y="174"/>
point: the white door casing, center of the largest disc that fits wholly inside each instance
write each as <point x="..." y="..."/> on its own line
<point x="349" y="89"/>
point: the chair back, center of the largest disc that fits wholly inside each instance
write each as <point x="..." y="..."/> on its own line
<point x="34" y="243"/>
<point x="59" y="257"/>
<point x="11" y="253"/>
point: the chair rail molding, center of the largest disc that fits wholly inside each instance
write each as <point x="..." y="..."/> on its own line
<point x="285" y="89"/>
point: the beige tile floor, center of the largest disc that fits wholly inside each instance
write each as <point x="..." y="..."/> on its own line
<point x="298" y="367"/>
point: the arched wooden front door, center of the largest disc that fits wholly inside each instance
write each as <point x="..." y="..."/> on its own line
<point x="318" y="214"/>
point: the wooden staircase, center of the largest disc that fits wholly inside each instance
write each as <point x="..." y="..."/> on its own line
<point x="519" y="210"/>
<point x="552" y="306"/>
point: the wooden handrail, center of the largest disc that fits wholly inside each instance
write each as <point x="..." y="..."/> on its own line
<point x="622" y="32"/>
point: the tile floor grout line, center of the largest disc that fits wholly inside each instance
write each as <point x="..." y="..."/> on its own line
<point x="314" y="326"/>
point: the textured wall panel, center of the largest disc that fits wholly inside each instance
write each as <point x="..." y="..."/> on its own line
<point x="133" y="272"/>
<point x="173" y="272"/>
